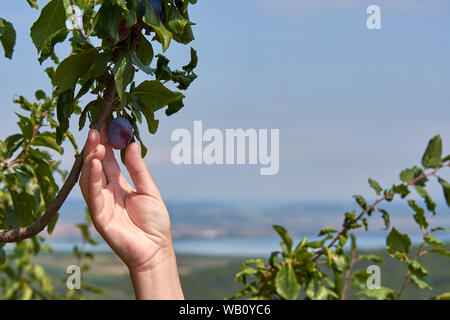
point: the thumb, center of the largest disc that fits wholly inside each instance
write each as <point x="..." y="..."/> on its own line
<point x="142" y="180"/>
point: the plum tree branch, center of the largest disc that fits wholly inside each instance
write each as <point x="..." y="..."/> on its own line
<point x="21" y="233"/>
<point x="19" y="157"/>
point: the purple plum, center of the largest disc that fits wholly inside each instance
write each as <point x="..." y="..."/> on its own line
<point x="120" y="133"/>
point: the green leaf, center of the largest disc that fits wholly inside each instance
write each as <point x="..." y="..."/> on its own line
<point x="84" y="89"/>
<point x="284" y="235"/>
<point x="47" y="139"/>
<point x="286" y="283"/>
<point x="174" y="108"/>
<point x="433" y="241"/>
<point x="416" y="268"/>
<point x="193" y="63"/>
<point x="123" y="75"/>
<point x="144" y="51"/>
<point x="401" y="189"/>
<point x="419" y="217"/>
<point x="446" y="189"/>
<point x="341" y="262"/>
<point x="153" y="94"/>
<point x="440" y="251"/>
<point x="51" y="20"/>
<point x="365" y="223"/>
<point x="48" y="46"/>
<point x="25" y="126"/>
<point x="408" y="175"/>
<point x="376" y="186"/>
<point x="431" y="206"/>
<point x="108" y="20"/>
<point x="301" y="245"/>
<point x="64" y="109"/>
<point x="72" y="68"/>
<point x="100" y="63"/>
<point x="398" y="244"/>
<point x="40" y="95"/>
<point x="443" y="296"/>
<point x="326" y="231"/>
<point x="439" y="229"/>
<point x="27" y="292"/>
<point x="361" y="201"/>
<point x="7" y="37"/>
<point x="382" y="293"/>
<point x="2" y="256"/>
<point x="46" y="182"/>
<point x="432" y="158"/>
<point x="420" y="283"/>
<point x="329" y="256"/>
<point x="309" y="290"/>
<point x="150" y="18"/>
<point x="176" y="21"/>
<point x="33" y="4"/>
<point x="386" y="218"/>
<point x="371" y="257"/>
<point x="51" y="225"/>
<point x="24" y="205"/>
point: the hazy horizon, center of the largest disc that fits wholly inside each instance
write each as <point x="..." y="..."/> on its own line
<point x="349" y="103"/>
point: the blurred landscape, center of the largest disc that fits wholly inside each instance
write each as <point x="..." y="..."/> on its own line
<point x="217" y="222"/>
<point x="206" y="277"/>
<point x="212" y="240"/>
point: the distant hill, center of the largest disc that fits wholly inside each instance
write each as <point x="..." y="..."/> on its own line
<point x="214" y="219"/>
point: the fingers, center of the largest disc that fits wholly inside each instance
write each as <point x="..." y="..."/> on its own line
<point x="95" y="187"/>
<point x="109" y="163"/>
<point x="92" y="142"/>
<point x="99" y="154"/>
<point x="139" y="173"/>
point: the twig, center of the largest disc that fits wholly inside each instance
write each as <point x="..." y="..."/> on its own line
<point x="21" y="233"/>
<point x="25" y="149"/>
<point x="408" y="274"/>
<point x="348" y="275"/>
<point x="376" y="202"/>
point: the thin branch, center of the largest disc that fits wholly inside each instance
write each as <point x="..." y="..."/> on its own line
<point x="348" y="275"/>
<point x="78" y="27"/>
<point x="377" y="201"/>
<point x="408" y="273"/>
<point x="25" y="149"/>
<point x="21" y="233"/>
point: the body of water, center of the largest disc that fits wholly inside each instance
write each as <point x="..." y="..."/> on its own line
<point x="248" y="246"/>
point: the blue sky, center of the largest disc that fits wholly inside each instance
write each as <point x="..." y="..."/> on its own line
<point x="350" y="103"/>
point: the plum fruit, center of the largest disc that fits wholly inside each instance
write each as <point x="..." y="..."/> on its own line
<point x="120" y="133"/>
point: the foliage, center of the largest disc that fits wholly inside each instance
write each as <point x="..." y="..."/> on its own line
<point x="324" y="269"/>
<point x="110" y="42"/>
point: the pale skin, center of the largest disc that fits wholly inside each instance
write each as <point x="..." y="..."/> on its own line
<point x="133" y="221"/>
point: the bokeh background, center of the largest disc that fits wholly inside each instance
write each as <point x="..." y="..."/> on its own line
<point x="350" y="103"/>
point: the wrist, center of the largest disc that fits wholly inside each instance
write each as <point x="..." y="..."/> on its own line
<point x="158" y="279"/>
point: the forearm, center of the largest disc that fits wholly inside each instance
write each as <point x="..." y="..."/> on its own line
<point x="158" y="281"/>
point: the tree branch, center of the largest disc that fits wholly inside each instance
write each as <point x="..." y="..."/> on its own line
<point x="376" y="202"/>
<point x="21" y="233"/>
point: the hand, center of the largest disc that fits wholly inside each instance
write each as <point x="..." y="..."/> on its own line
<point x="135" y="224"/>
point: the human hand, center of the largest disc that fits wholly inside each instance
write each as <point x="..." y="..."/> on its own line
<point x="134" y="223"/>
